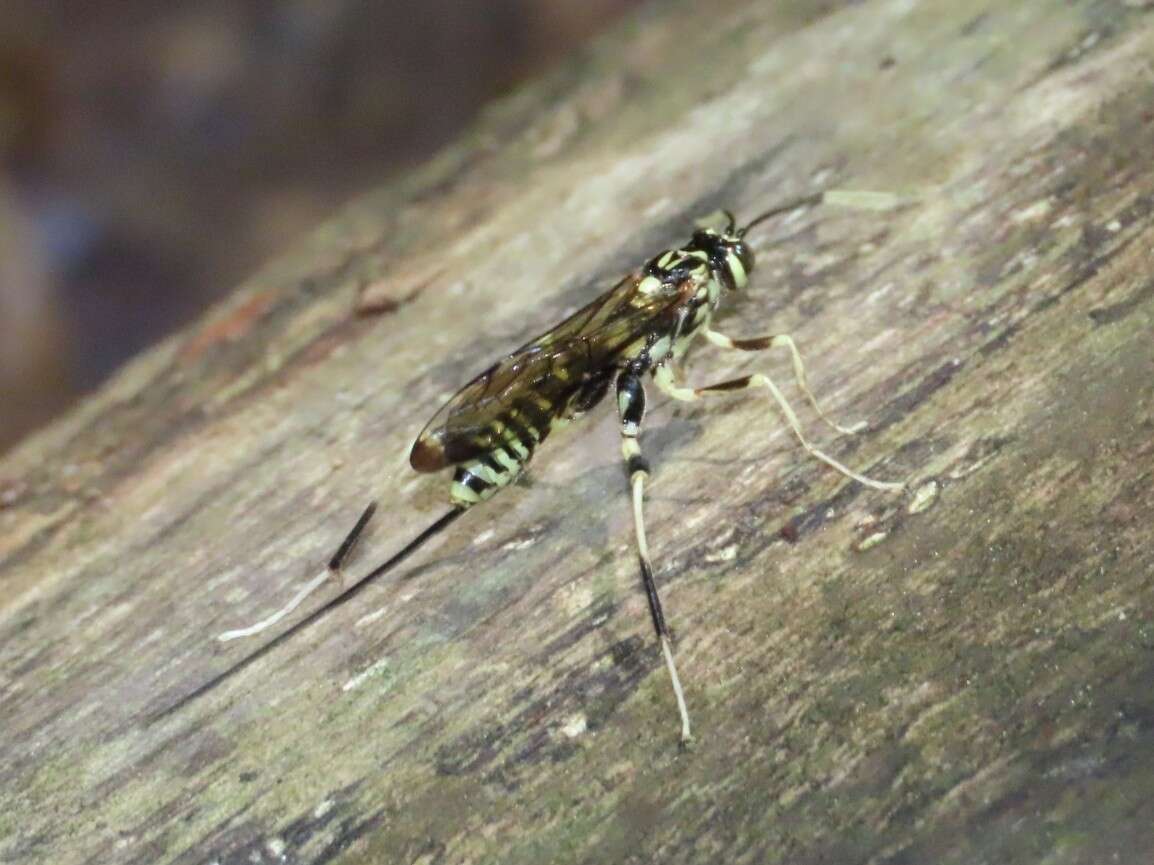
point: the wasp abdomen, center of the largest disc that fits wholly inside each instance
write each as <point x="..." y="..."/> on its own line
<point x="511" y="439"/>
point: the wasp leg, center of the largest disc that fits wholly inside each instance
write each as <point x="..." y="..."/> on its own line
<point x="631" y="408"/>
<point x="762" y="343"/>
<point x="665" y="381"/>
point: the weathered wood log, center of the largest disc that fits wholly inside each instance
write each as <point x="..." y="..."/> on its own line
<point x="961" y="675"/>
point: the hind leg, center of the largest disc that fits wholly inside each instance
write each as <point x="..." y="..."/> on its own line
<point x="631" y="407"/>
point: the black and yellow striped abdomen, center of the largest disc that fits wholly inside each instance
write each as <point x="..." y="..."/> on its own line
<point x="508" y="441"/>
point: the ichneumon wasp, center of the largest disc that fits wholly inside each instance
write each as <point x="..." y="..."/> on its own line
<point x="490" y="429"/>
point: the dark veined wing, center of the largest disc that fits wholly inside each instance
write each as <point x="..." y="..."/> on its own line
<point x="540" y="379"/>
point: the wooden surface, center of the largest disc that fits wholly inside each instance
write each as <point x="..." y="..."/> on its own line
<point x="960" y="676"/>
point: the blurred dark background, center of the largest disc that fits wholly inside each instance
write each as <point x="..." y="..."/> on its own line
<point x="153" y="154"/>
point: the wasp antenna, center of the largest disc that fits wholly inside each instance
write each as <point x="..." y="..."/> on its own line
<point x="312" y="618"/>
<point x="858" y="199"/>
<point x="795" y="204"/>
<point x="862" y="199"/>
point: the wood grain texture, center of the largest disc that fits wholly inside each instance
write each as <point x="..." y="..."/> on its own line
<point x="961" y="676"/>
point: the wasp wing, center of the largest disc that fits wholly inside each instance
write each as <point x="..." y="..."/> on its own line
<point x="542" y="380"/>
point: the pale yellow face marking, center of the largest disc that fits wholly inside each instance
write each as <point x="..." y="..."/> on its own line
<point x="740" y="277"/>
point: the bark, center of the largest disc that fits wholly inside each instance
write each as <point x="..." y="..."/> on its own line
<point x="959" y="675"/>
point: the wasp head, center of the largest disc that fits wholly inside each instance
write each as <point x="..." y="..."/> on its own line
<point x="730" y="257"/>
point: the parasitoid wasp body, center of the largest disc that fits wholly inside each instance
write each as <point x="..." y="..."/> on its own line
<point x="488" y="432"/>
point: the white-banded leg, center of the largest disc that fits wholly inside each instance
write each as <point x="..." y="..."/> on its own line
<point x="764" y="343"/>
<point x="631" y="408"/>
<point x="663" y="376"/>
